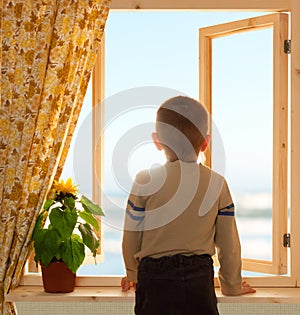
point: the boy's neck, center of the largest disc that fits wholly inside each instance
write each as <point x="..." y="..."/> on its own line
<point x="184" y="161"/>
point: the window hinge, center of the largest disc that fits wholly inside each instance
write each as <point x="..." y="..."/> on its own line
<point x="287" y="46"/>
<point x="287" y="240"/>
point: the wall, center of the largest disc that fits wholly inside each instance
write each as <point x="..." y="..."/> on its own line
<point x="127" y="309"/>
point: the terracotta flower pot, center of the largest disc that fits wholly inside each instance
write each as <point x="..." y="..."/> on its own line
<point x="58" y="278"/>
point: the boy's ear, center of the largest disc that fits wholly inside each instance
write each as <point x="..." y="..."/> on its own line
<point x="156" y="141"/>
<point x="205" y="143"/>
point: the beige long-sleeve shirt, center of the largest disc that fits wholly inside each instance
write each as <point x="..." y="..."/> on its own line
<point x="182" y="208"/>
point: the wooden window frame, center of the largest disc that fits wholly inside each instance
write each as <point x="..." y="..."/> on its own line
<point x="292" y="6"/>
<point x="279" y="23"/>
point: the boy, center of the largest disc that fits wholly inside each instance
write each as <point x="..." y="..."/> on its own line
<point x="177" y="214"/>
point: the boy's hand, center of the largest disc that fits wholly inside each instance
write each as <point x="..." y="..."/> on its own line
<point x="126" y="284"/>
<point x="246" y="288"/>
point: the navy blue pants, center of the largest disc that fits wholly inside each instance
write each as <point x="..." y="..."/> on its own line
<point x="176" y="285"/>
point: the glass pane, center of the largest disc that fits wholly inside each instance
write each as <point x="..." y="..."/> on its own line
<point x="78" y="163"/>
<point x="127" y="143"/>
<point x="242" y="112"/>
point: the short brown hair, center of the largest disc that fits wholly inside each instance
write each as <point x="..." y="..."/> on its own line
<point x="182" y="125"/>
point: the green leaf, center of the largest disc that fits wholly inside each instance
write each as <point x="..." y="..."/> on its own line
<point x="38" y="244"/>
<point x="89" y="238"/>
<point x="58" y="255"/>
<point x="49" y="246"/>
<point x="64" y="221"/>
<point x="69" y="202"/>
<point x="48" y="204"/>
<point x="90" y="206"/>
<point x="90" y="219"/>
<point x="73" y="252"/>
<point x="39" y="225"/>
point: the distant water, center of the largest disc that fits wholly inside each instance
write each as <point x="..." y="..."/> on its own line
<point x="254" y="221"/>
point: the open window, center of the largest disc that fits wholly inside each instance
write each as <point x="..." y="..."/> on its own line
<point x="275" y="120"/>
<point x="276" y="117"/>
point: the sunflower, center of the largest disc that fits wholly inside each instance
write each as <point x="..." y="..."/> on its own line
<point x="67" y="187"/>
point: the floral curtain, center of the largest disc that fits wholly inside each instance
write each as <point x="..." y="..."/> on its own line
<point x="48" y="51"/>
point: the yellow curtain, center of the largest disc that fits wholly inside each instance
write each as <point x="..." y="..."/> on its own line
<point x="48" y="51"/>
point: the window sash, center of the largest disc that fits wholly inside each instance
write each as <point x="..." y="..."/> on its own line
<point x="279" y="23"/>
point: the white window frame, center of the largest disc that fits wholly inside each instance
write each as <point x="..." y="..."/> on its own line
<point x="293" y="6"/>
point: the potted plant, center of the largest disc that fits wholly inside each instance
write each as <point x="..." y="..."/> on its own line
<point x="64" y="229"/>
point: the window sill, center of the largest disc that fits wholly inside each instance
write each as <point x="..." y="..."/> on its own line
<point x="27" y="293"/>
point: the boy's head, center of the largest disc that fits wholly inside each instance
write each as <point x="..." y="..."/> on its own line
<point x="182" y="125"/>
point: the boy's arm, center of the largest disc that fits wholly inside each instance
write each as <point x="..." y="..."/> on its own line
<point x="229" y="254"/>
<point x="130" y="246"/>
<point x="228" y="248"/>
<point x="132" y="236"/>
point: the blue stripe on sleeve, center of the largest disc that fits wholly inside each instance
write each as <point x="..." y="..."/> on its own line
<point x="134" y="217"/>
<point x="230" y="206"/>
<point x="135" y="208"/>
<point x="227" y="213"/>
